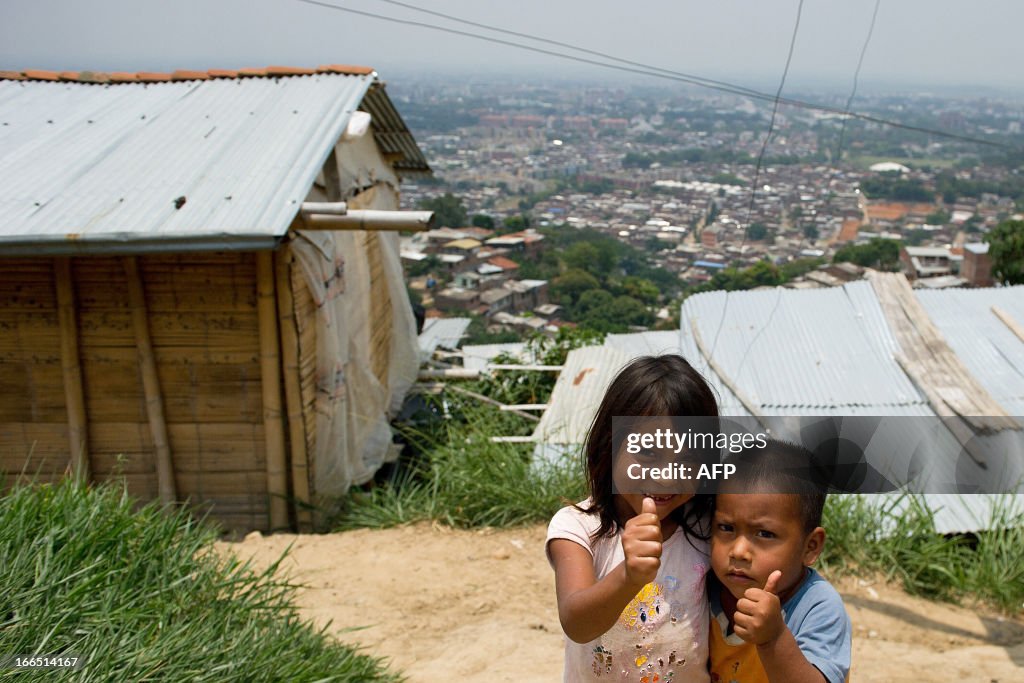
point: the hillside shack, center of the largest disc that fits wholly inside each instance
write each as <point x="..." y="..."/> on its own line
<point x="200" y="286"/>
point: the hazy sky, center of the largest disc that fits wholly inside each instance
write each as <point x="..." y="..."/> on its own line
<point x="922" y="43"/>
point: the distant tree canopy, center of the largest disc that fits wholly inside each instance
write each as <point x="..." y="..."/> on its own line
<point x="600" y="310"/>
<point x="570" y="285"/>
<point x="516" y="223"/>
<point x="757" y="231"/>
<point x="878" y="253"/>
<point x="1006" y="250"/>
<point x="427" y="265"/>
<point x="896" y="188"/>
<point x="811" y="231"/>
<point x="448" y="210"/>
<point x="482" y="220"/>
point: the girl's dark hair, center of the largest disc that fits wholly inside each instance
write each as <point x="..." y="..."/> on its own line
<point x="648" y="386"/>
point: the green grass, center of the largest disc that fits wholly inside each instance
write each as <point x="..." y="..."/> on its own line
<point x="898" y="539"/>
<point x="142" y="596"/>
<point x="464" y="480"/>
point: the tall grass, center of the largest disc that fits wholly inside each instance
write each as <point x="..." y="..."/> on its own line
<point x="142" y="596"/>
<point x="897" y="537"/>
<point x="462" y="479"/>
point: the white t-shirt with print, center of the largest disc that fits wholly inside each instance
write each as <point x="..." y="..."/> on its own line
<point x="662" y="635"/>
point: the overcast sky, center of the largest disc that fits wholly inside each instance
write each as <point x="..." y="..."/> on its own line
<point x="974" y="44"/>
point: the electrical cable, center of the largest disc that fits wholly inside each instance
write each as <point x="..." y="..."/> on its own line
<point x="656" y="72"/>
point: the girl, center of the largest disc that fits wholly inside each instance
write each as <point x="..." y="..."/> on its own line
<point x="629" y="568"/>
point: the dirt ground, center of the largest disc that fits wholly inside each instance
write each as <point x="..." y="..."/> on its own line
<point x="443" y="604"/>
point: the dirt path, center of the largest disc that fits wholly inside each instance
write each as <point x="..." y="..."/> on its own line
<point x="445" y="605"/>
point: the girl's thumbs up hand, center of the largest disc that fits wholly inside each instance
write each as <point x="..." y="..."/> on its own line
<point x="641" y="544"/>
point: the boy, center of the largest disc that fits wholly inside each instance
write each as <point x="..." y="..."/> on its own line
<point x="773" y="618"/>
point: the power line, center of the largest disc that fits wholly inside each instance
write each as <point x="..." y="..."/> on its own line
<point x="653" y="71"/>
<point x="856" y="77"/>
<point x="828" y="199"/>
<point x="570" y="46"/>
<point x="760" y="158"/>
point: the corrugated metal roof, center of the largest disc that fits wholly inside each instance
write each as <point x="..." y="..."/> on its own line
<point x="957" y="513"/>
<point x="477" y="356"/>
<point x="637" y="344"/>
<point x="987" y="347"/>
<point x="802" y="352"/>
<point x="581" y="384"/>
<point x="184" y="164"/>
<point x="446" y="332"/>
<point x="391" y="134"/>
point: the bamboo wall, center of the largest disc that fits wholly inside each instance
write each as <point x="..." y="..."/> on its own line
<point x="202" y="320"/>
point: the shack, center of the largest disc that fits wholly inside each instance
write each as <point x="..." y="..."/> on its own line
<point x="200" y="286"/>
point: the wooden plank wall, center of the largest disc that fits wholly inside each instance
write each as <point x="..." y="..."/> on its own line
<point x="33" y="417"/>
<point x="202" y="320"/>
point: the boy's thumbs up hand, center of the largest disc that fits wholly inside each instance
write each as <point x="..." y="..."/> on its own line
<point x="758" y="617"/>
<point x="641" y="544"/>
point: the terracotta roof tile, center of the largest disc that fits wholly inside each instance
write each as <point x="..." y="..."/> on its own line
<point x="180" y="75"/>
<point x="503" y="263"/>
<point x="345" y="69"/>
<point x="39" y="75"/>
<point x="186" y="75"/>
<point x="289" y="71"/>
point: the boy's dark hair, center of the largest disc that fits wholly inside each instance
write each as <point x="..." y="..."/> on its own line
<point x="648" y="386"/>
<point x="782" y="467"/>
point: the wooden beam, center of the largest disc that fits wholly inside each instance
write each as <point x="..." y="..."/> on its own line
<point x="490" y="401"/>
<point x="270" y="380"/>
<point x="150" y="382"/>
<point x="366" y="219"/>
<point x="751" y="407"/>
<point x="74" y="397"/>
<point x="1008" y="320"/>
<point x="449" y="373"/>
<point x="292" y="390"/>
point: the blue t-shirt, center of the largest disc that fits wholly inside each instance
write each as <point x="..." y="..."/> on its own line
<point x="814" y="615"/>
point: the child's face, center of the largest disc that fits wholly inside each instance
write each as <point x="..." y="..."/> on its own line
<point x="753" y="534"/>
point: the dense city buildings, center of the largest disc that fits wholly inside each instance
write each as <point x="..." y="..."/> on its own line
<point x="687" y="179"/>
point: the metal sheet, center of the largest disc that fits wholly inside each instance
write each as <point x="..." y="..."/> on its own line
<point x="203" y="164"/>
<point x="577" y="394"/>
<point x="987" y="347"/>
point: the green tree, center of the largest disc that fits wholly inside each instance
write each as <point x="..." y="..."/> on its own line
<point x="427" y="265"/>
<point x="482" y="220"/>
<point x="597" y="258"/>
<point x="570" y="285"/>
<point x="640" y="288"/>
<point x="593" y="301"/>
<point x="1006" y="249"/>
<point x="626" y="309"/>
<point x="448" y="210"/>
<point x="757" y="231"/>
<point x="877" y="253"/>
<point x="516" y="223"/>
<point x="811" y="231"/>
